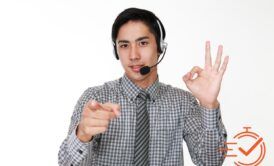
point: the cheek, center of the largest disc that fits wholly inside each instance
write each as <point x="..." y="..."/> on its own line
<point x="149" y="55"/>
<point x="123" y="61"/>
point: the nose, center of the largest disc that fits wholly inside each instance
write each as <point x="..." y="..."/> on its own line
<point x="134" y="53"/>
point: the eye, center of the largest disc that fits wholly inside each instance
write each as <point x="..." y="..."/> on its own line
<point x="124" y="45"/>
<point x="143" y="43"/>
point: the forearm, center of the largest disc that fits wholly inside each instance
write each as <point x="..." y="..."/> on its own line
<point x="204" y="135"/>
<point x="213" y="137"/>
<point x="72" y="151"/>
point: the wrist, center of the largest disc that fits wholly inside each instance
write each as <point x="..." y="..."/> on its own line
<point x="82" y="136"/>
<point x="213" y="105"/>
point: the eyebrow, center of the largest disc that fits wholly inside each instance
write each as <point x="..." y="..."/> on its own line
<point x="138" y="39"/>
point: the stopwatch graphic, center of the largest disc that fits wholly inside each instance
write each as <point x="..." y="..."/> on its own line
<point x="250" y="148"/>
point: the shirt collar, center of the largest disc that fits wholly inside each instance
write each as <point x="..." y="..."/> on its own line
<point x="132" y="90"/>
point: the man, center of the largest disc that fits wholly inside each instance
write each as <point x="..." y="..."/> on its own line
<point x="137" y="120"/>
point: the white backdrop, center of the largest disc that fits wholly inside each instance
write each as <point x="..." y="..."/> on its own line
<point x="51" y="51"/>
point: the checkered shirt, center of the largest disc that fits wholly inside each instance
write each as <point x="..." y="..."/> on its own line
<point x="174" y="114"/>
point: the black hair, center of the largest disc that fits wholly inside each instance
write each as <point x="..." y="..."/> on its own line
<point x="135" y="14"/>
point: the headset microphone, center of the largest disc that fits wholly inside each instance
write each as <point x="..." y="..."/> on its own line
<point x="144" y="70"/>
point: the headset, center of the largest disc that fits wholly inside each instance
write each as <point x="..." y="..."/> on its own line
<point x="163" y="46"/>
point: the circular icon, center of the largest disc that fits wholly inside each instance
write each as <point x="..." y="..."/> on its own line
<point x="251" y="148"/>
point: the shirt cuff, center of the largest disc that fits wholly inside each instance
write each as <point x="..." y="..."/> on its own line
<point x="210" y="118"/>
<point x="77" y="149"/>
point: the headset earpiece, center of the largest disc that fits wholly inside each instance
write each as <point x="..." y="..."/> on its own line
<point x="115" y="51"/>
<point x="163" y="44"/>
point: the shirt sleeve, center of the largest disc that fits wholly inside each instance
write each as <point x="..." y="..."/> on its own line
<point x="204" y="134"/>
<point x="72" y="151"/>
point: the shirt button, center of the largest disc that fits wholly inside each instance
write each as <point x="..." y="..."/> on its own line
<point x="80" y="151"/>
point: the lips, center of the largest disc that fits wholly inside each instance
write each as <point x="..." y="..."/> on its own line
<point x="136" y="68"/>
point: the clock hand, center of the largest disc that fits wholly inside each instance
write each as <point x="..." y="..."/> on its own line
<point x="252" y="147"/>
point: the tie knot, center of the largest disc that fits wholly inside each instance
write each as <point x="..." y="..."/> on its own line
<point x="143" y="95"/>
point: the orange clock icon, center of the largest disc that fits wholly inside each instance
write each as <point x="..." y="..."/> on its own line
<point x="250" y="148"/>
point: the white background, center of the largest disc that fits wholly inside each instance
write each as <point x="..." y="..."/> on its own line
<point x="51" y="51"/>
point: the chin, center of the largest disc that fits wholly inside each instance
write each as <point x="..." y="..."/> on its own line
<point x="136" y="76"/>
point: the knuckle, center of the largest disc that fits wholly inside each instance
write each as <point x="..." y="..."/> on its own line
<point x="88" y="104"/>
<point x="87" y="130"/>
<point x="107" y="123"/>
<point x="108" y="116"/>
<point x="85" y="113"/>
<point x="82" y="121"/>
<point x="104" y="129"/>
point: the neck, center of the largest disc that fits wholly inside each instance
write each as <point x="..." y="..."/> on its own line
<point x="148" y="79"/>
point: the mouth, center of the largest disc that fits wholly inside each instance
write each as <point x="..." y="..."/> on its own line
<point x="136" y="68"/>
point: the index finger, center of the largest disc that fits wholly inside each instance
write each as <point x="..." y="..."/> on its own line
<point x="94" y="105"/>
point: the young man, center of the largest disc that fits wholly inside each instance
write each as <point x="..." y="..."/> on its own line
<point x="137" y="120"/>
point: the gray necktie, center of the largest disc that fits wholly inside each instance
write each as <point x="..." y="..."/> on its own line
<point x="141" y="151"/>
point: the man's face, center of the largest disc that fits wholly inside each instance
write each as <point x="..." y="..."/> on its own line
<point x="136" y="47"/>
